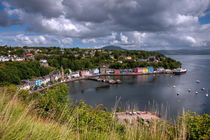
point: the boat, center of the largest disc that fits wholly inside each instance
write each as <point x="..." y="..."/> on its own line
<point x="179" y="71"/>
<point x="207" y="94"/>
<point x="203" y="89"/>
<point x="198" y="81"/>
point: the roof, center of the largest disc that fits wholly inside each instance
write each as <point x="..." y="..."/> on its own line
<point x="29" y="54"/>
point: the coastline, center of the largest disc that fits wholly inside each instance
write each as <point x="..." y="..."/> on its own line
<point x="87" y="78"/>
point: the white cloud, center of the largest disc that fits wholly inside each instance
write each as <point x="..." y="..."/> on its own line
<point x="123" y="38"/>
<point x="30" y="40"/>
<point x="89" y="41"/>
<point x="66" y="41"/>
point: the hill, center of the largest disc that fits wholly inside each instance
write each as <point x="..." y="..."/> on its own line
<point x="111" y="47"/>
<point x="185" y="52"/>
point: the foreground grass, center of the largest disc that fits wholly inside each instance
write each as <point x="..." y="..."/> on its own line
<point x="16" y="123"/>
<point x="21" y="119"/>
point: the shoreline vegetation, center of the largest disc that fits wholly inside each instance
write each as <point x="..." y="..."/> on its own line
<point x="51" y="115"/>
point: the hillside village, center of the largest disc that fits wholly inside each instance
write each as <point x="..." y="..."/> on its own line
<point x="74" y="64"/>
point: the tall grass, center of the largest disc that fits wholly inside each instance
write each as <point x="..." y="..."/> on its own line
<point x="18" y="121"/>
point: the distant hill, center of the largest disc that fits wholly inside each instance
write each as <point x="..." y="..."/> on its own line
<point x="111" y="47"/>
<point x="185" y="52"/>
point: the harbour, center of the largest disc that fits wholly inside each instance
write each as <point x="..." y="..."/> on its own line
<point x="153" y="92"/>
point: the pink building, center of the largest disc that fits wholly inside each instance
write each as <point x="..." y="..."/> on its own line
<point x="139" y="70"/>
<point x="84" y="73"/>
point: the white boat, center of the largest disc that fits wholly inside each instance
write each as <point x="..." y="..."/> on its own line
<point x="180" y="71"/>
<point x="207" y="94"/>
<point x="198" y="81"/>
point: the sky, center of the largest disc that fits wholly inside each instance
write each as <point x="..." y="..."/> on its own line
<point x="131" y="24"/>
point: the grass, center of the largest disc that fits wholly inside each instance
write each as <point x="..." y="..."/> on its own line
<point x="19" y="121"/>
<point x="16" y="122"/>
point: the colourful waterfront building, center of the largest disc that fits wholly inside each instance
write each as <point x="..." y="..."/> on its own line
<point x="117" y="72"/>
<point x="96" y="71"/>
<point x="139" y="70"/>
<point x="150" y="69"/>
<point x="145" y="70"/>
<point x="38" y="82"/>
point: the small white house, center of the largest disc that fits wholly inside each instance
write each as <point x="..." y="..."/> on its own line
<point x="43" y="61"/>
<point x="25" y="87"/>
<point x="20" y="59"/>
<point x="4" y="58"/>
<point x="75" y="75"/>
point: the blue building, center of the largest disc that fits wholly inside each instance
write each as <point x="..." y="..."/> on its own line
<point x="96" y="71"/>
<point x="150" y="69"/>
<point x="38" y="83"/>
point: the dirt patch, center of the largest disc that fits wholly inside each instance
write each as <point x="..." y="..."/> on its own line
<point x="133" y="116"/>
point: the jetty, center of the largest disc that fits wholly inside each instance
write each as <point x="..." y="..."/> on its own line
<point x="110" y="81"/>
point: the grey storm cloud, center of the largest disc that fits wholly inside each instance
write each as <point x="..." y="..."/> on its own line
<point x="4" y="18"/>
<point x="135" y="22"/>
<point x="48" y="8"/>
<point x="140" y="15"/>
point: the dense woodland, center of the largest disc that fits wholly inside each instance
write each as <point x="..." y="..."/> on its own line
<point x="14" y="72"/>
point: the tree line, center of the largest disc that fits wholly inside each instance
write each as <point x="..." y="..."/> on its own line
<point x="14" y="72"/>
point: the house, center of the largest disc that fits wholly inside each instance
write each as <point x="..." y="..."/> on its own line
<point x="25" y="87"/>
<point x="150" y="69"/>
<point x="44" y="63"/>
<point x="29" y="54"/>
<point x="145" y="70"/>
<point x="67" y="76"/>
<point x="120" y="61"/>
<point x="128" y="58"/>
<point x="117" y="72"/>
<point x="20" y="59"/>
<point x="38" y="82"/>
<point x="111" y="56"/>
<point x="152" y="59"/>
<point x="46" y="80"/>
<point x="142" y="60"/>
<point x="109" y="71"/>
<point x="160" y="69"/>
<point x="96" y="71"/>
<point x="75" y="75"/>
<point x="4" y="58"/>
<point x="139" y="70"/>
<point x="102" y="70"/>
<point x="84" y="73"/>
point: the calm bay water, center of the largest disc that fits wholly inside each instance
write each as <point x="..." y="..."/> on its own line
<point x="154" y="92"/>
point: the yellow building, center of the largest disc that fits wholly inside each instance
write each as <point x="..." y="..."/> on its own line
<point x="145" y="70"/>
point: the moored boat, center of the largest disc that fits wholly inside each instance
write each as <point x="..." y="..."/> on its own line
<point x="179" y="71"/>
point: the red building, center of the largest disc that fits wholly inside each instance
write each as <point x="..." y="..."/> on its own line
<point x="117" y="72"/>
<point x="29" y="54"/>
